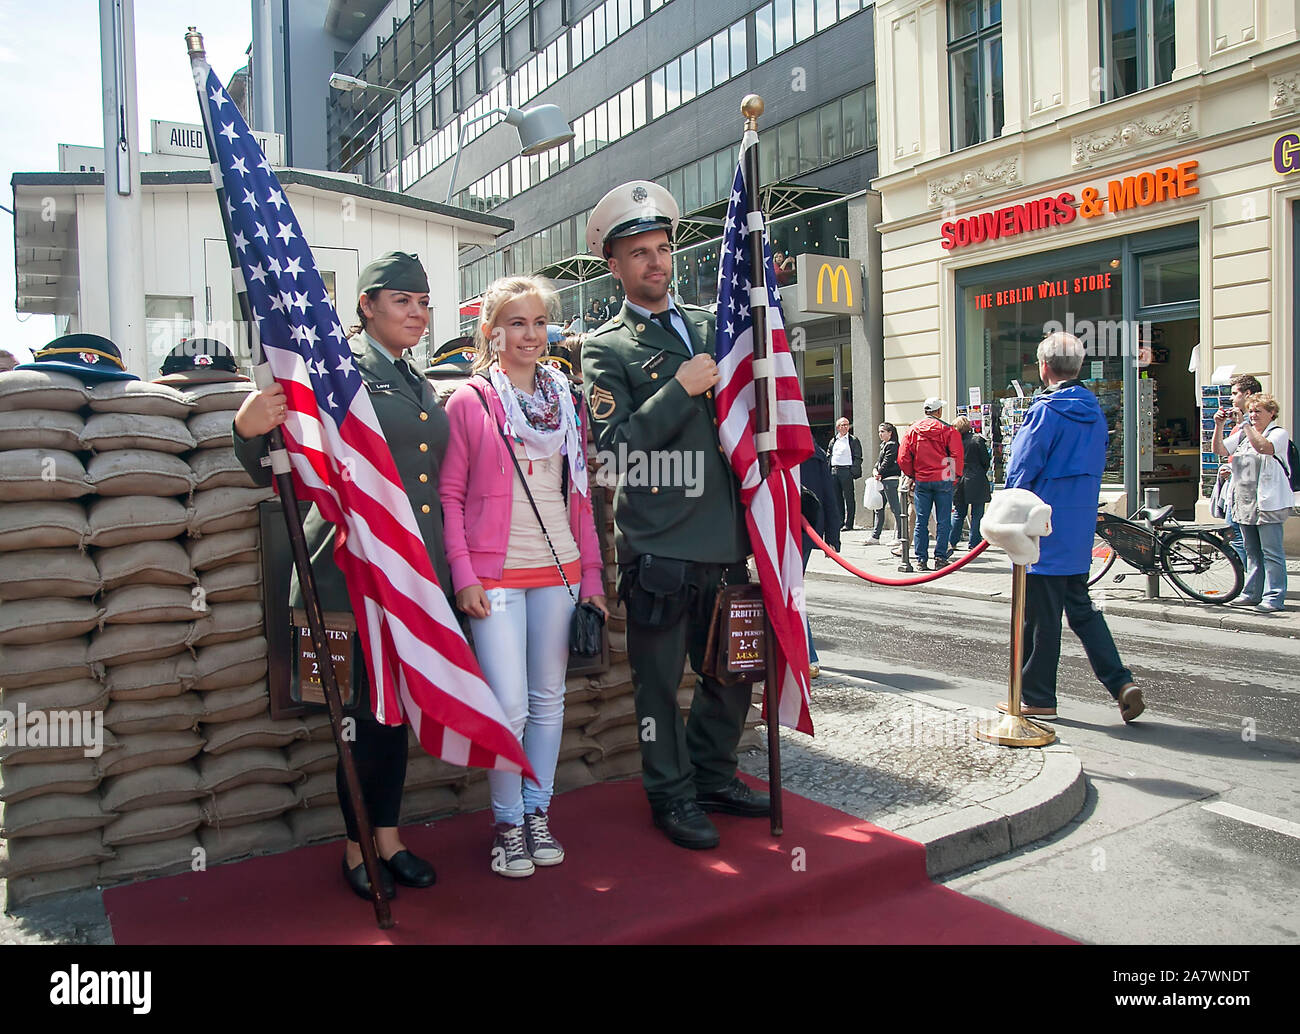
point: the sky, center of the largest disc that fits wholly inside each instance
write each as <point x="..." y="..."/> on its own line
<point x="50" y="94"/>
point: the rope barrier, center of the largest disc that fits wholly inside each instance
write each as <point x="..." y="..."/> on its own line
<point x="920" y="579"/>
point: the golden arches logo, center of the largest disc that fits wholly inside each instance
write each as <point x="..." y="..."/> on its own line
<point x="835" y="273"/>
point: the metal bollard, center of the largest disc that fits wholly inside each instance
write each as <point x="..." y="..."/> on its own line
<point x="1013" y="729"/>
<point x="1151" y="500"/>
<point x="905" y="562"/>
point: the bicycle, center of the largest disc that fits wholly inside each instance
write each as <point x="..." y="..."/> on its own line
<point x="1198" y="561"/>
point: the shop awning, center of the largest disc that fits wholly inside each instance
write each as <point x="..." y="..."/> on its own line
<point x="575" y="267"/>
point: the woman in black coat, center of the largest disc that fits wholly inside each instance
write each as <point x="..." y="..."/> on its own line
<point x="973" y="488"/>
<point x="887" y="472"/>
<point x="817" y="501"/>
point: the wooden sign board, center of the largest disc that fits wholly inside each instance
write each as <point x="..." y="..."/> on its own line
<point x="341" y="631"/>
<point x="745" y="636"/>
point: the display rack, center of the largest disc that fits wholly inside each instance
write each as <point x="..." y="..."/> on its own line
<point x="1213" y="397"/>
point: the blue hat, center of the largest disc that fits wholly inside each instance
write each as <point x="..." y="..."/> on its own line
<point x="88" y="356"/>
<point x="453" y="359"/>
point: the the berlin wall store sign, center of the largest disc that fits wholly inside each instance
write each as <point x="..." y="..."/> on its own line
<point x="1137" y="191"/>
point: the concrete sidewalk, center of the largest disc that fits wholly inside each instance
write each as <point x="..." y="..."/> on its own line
<point x="1122" y="592"/>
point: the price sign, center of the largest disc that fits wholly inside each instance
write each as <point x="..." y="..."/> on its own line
<point x="745" y="636"/>
<point x="309" y="685"/>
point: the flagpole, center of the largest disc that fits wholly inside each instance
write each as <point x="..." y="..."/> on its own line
<point x="752" y="107"/>
<point x="293" y="519"/>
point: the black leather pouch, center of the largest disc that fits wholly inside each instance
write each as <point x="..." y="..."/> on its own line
<point x="658" y="594"/>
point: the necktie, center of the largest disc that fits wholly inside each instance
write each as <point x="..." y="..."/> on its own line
<point x="412" y="378"/>
<point x="665" y="320"/>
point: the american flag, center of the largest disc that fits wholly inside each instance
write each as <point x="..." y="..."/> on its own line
<point x="772" y="511"/>
<point x="416" y="656"/>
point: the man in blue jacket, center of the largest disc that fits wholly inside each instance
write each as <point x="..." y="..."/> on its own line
<point x="1059" y="454"/>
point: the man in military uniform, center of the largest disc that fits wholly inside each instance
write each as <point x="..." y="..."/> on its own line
<point x="649" y="375"/>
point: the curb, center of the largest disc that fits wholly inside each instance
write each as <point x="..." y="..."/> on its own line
<point x="1204" y="616"/>
<point x="980" y="832"/>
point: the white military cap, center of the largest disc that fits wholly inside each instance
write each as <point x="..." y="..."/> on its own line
<point x="628" y="209"/>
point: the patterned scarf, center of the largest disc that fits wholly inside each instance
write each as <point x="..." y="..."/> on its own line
<point x="545" y="422"/>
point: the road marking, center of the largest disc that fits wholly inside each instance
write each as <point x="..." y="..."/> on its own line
<point x="1255" y="818"/>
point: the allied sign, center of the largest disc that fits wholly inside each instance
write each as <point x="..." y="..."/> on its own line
<point x="186" y="139"/>
<point x="830" y="284"/>
<point x="1138" y="191"/>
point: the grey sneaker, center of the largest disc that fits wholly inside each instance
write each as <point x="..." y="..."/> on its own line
<point x="543" y="848"/>
<point x="509" y="853"/>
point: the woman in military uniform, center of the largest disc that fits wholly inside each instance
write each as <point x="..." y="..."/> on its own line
<point x="393" y="310"/>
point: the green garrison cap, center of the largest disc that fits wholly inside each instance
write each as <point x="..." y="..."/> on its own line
<point x="395" y="271"/>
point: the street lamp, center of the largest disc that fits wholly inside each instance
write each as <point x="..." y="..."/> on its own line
<point x="348" y="83"/>
<point x="540" y="128"/>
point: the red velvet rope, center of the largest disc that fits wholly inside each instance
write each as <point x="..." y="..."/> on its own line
<point x="920" y="579"/>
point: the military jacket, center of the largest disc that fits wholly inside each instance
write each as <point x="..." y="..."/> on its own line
<point x="417" y="430"/>
<point x="676" y="494"/>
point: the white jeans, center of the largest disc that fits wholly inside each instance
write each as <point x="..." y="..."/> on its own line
<point x="523" y="649"/>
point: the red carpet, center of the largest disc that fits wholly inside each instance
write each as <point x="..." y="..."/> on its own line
<point x="831" y="879"/>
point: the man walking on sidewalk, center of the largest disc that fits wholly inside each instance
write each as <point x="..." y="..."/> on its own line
<point x="1059" y="454"/>
<point x="846" y="467"/>
<point x="933" y="457"/>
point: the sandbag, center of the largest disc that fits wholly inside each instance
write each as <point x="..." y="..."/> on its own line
<point x="212" y="430"/>
<point x="50" y="854"/>
<point x="36" y="389"/>
<point x="218" y="467"/>
<point x="313" y="825"/>
<point x="241" y="546"/>
<point x="578" y="715"/>
<point x="574" y="744"/>
<point x="142" y="397"/>
<point x="151" y="859"/>
<point x="269" y="836"/>
<point x="423" y="771"/>
<point x="120" y="520"/>
<point x="74" y="695"/>
<point x="125" y="644"/>
<point x="427" y="804"/>
<point x="39" y="621"/>
<point x="151" y="788"/>
<point x="29" y="474"/>
<point x="53" y="737"/>
<point x="138" y="604"/>
<point x="230" y="664"/>
<point x="225" y="509"/>
<point x="226" y="622"/>
<point x="252" y="803"/>
<point x="151" y="749"/>
<point x="312" y="756"/>
<point x="235" y="703"/>
<point x="619" y="711"/>
<point x="55" y="814"/>
<point x="42" y="525"/>
<point x="145" y="563"/>
<point x="252" y="732"/>
<point x="105" y="432"/>
<point x="572" y="775"/>
<point x="151" y="680"/>
<point x="40" y="429"/>
<point x="21" y="890"/>
<point x="220" y="396"/>
<point x="234" y="582"/>
<point x="127" y="718"/>
<point x="318" y="789"/>
<point x="139" y="472"/>
<point x="617" y="739"/>
<point x="37" y="573"/>
<point x="620" y="766"/>
<point x="149" y="825"/>
<point x="44" y="663"/>
<point x="255" y="765"/>
<point x="318" y="726"/>
<point x="23" y="782"/>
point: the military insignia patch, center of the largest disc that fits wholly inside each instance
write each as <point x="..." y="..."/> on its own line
<point x="88" y="357"/>
<point x="602" y="403"/>
<point x="639" y="194"/>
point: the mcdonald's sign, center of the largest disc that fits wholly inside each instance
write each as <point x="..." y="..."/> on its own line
<point x="830" y="284"/>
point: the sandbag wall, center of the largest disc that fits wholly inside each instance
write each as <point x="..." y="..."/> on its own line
<point x="130" y="594"/>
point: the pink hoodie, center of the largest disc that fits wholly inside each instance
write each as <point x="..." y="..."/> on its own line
<point x="476" y="485"/>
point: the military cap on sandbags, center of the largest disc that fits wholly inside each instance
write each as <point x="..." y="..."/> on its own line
<point x="87" y="356"/>
<point x="394" y="271"/>
<point x="453" y="359"/>
<point x="200" y="360"/>
<point x="629" y="209"/>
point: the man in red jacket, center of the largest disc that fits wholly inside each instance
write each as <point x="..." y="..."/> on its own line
<point x="931" y="455"/>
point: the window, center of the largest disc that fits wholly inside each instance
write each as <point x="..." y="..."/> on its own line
<point x="519" y="42"/>
<point x="803" y="20"/>
<point x="832" y="132"/>
<point x="784" y="25"/>
<point x="809" y="145"/>
<point x="739" y="59"/>
<point x="704" y="67"/>
<point x="721" y="58"/>
<point x="673" y="84"/>
<point x="658" y="96"/>
<point x="763" y="28"/>
<point x="827" y="15"/>
<point x="548" y="20"/>
<point x="167" y="320"/>
<point x="975" y="70"/>
<point x="1137" y="45"/>
<point x="688" y="76"/>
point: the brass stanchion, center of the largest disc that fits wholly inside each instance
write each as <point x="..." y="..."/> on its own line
<point x="1013" y="729"/>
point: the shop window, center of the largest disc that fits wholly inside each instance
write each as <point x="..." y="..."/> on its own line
<point x="975" y="70"/>
<point x="1137" y="45"/>
<point x="1169" y="278"/>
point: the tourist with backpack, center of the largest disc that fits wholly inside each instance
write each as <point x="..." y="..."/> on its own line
<point x="1263" y="471"/>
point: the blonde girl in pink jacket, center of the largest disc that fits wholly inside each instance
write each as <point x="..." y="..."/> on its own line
<point x="518" y="583"/>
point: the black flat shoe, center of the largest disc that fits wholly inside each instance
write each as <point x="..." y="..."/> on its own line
<point x="356" y="879"/>
<point x="685" y="825"/>
<point x="410" y="870"/>
<point x="736" y="798"/>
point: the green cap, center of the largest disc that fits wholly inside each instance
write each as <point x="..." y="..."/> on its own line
<point x="395" y="271"/>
